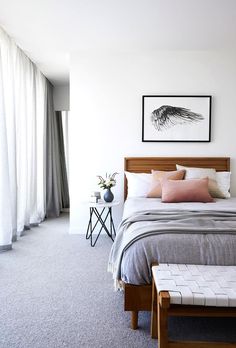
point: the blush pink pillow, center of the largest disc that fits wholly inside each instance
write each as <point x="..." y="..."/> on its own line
<point x="192" y="190"/>
<point x="158" y="176"/>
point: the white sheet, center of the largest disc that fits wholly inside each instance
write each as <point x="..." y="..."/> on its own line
<point x="133" y="205"/>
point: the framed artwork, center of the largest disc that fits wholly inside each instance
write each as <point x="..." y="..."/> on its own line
<point x="175" y="118"/>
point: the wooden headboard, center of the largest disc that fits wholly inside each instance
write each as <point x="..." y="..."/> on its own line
<point x="146" y="164"/>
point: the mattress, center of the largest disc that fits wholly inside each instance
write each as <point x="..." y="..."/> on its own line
<point x="197" y="248"/>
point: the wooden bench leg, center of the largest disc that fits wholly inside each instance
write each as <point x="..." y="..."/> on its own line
<point x="162" y="314"/>
<point x="134" y="320"/>
<point x="154" y="311"/>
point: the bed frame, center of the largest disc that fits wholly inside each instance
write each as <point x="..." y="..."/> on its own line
<point x="139" y="297"/>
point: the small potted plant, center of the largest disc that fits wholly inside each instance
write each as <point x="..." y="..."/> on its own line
<point x="106" y="184"/>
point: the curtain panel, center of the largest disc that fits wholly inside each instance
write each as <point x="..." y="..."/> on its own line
<point x="23" y="92"/>
<point x="57" y="193"/>
<point x="62" y="160"/>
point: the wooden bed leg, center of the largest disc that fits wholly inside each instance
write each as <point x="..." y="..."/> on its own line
<point x="134" y="320"/>
<point x="162" y="310"/>
<point x="154" y="333"/>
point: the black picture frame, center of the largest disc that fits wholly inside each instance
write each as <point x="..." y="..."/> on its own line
<point x="176" y="118"/>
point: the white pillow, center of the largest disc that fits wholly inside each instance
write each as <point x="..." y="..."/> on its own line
<point x="219" y="182"/>
<point x="223" y="182"/>
<point x="138" y="184"/>
<point x="197" y="173"/>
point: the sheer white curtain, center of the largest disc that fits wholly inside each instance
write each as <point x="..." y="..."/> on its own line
<point x="22" y="142"/>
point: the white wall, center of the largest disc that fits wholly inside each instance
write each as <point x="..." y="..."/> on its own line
<point x="105" y="120"/>
<point x="61" y="95"/>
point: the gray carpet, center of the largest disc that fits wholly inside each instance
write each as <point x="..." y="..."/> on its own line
<point x="55" y="292"/>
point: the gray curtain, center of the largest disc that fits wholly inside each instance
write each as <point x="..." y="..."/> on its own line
<point x="62" y="162"/>
<point x="57" y="193"/>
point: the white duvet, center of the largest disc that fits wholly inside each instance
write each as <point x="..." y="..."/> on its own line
<point x="133" y="205"/>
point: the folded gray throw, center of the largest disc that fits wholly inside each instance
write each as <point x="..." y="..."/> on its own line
<point x="147" y="223"/>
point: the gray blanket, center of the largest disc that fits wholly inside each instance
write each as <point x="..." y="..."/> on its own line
<point x="147" y="224"/>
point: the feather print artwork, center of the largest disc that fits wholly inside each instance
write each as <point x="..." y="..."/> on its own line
<point x="168" y="116"/>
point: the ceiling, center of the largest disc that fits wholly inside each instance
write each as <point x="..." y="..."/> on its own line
<point x="49" y="30"/>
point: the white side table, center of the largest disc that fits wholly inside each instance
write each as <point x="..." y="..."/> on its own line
<point x="103" y="214"/>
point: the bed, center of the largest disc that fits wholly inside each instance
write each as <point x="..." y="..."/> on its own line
<point x="135" y="267"/>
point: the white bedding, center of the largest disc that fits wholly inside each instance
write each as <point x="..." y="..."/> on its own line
<point x="133" y="205"/>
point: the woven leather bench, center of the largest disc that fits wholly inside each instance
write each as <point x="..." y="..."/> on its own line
<point x="191" y="290"/>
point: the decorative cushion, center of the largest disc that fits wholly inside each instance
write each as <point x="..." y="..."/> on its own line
<point x="138" y="184"/>
<point x="192" y="190"/>
<point x="158" y="176"/>
<point x="199" y="173"/>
